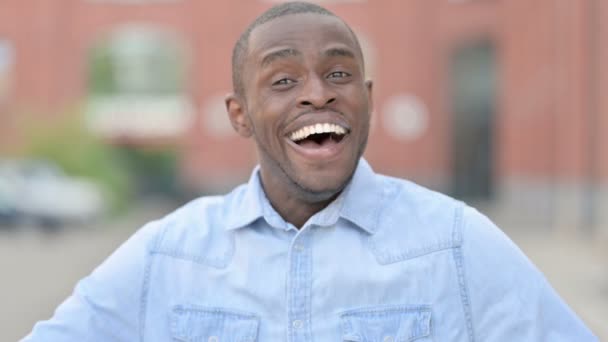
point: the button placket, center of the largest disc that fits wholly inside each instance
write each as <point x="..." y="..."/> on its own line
<point x="299" y="288"/>
<point x="298" y="324"/>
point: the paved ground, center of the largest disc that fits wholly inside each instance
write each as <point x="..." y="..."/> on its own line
<point x="577" y="268"/>
<point x="39" y="270"/>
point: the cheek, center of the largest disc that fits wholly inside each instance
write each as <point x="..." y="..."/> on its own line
<point x="359" y="106"/>
<point x="268" y="119"/>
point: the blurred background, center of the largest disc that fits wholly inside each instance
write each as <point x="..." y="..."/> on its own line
<point x="112" y="114"/>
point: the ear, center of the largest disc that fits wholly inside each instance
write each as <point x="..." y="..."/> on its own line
<point x="238" y="116"/>
<point x="369" y="85"/>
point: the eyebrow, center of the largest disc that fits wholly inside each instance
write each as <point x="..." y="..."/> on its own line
<point x="339" y="52"/>
<point x="284" y="53"/>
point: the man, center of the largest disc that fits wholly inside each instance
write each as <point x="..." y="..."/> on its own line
<point x="316" y="247"/>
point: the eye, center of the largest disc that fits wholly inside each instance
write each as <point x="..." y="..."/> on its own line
<point x="283" y="82"/>
<point x="338" y="74"/>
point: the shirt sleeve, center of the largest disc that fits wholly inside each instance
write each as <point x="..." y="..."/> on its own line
<point x="106" y="305"/>
<point x="508" y="298"/>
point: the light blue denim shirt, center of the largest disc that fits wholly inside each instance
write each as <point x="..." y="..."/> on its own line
<point x="386" y="261"/>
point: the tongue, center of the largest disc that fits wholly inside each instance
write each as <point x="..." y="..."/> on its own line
<point x="310" y="143"/>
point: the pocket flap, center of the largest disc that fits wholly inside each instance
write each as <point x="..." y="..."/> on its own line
<point x="392" y="323"/>
<point x="194" y="323"/>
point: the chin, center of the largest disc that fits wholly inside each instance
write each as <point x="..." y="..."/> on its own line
<point x="318" y="195"/>
<point x="322" y="188"/>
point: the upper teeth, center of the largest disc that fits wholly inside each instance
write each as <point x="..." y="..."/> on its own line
<point x="319" y="128"/>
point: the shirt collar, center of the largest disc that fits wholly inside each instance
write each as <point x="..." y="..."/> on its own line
<point x="363" y="198"/>
<point x="358" y="203"/>
<point x="244" y="204"/>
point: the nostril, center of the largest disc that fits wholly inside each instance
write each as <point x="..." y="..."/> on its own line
<point x="320" y="103"/>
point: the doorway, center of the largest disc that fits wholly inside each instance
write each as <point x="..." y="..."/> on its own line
<point x="472" y="73"/>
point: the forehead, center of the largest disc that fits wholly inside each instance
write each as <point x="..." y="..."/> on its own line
<point x="308" y="31"/>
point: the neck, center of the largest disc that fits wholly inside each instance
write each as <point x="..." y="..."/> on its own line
<point x="292" y="208"/>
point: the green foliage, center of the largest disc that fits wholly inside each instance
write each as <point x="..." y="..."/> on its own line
<point x="72" y="147"/>
<point x="122" y="172"/>
<point x="101" y="72"/>
<point x="154" y="170"/>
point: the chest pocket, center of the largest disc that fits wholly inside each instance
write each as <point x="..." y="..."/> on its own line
<point x="387" y="324"/>
<point x="201" y="324"/>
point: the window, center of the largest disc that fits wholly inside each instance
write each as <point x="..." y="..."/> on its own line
<point x="137" y="81"/>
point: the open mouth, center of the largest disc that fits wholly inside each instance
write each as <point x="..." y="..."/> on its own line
<point x="318" y="135"/>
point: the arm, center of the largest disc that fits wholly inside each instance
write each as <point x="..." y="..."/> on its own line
<point x="510" y="300"/>
<point x="107" y="304"/>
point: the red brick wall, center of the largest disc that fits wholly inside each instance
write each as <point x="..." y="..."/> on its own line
<point x="545" y="66"/>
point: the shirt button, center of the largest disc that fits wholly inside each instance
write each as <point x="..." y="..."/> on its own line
<point x="213" y="339"/>
<point x="298" y="324"/>
<point x="389" y="339"/>
<point x="298" y="248"/>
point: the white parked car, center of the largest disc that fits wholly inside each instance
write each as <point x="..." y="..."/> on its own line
<point x="8" y="213"/>
<point x="41" y="191"/>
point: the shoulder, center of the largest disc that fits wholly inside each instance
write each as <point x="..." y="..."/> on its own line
<point x="197" y="231"/>
<point x="486" y="246"/>
<point x="415" y="221"/>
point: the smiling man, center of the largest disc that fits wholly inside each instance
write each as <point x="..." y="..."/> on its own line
<point x="300" y="92"/>
<point x="316" y="246"/>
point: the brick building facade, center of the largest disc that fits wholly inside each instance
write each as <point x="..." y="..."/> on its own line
<point x="488" y="99"/>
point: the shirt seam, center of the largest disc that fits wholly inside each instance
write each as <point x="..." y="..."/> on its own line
<point x="309" y="242"/>
<point x="213" y="262"/>
<point x="458" y="261"/>
<point x="84" y="297"/>
<point x="160" y="248"/>
<point x="378" y="209"/>
<point x="143" y="301"/>
<point x="386" y="259"/>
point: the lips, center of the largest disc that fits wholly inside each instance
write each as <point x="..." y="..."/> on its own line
<point x="318" y="129"/>
<point x="318" y="136"/>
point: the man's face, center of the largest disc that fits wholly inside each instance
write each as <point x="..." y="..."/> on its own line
<point x="306" y="103"/>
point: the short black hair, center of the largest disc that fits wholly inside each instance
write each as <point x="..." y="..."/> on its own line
<point x="242" y="44"/>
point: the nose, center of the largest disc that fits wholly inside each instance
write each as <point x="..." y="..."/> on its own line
<point x="316" y="93"/>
